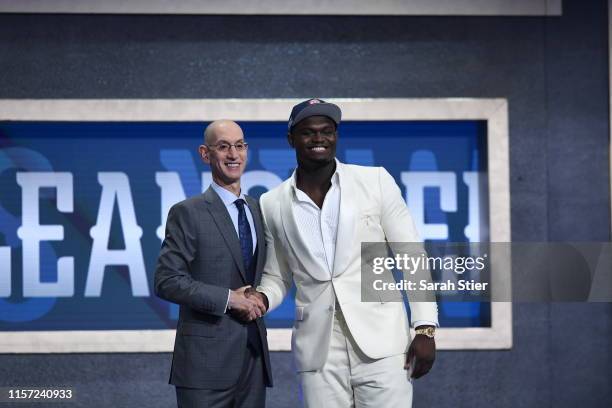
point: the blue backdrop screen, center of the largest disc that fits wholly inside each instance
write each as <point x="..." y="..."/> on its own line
<point x="82" y="208"/>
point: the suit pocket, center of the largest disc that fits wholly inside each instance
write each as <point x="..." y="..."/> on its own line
<point x="370" y="218"/>
<point x="371" y="228"/>
<point x="197" y="329"/>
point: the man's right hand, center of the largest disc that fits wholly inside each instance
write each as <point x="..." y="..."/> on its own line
<point x="243" y="307"/>
<point x="260" y="296"/>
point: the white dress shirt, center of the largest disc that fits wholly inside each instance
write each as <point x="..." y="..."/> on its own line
<point x="318" y="226"/>
<point x="228" y="198"/>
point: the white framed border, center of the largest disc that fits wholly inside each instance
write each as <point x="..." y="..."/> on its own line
<point x="493" y="111"/>
<point x="291" y="7"/>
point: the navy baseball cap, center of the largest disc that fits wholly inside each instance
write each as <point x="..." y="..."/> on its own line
<point x="314" y="107"/>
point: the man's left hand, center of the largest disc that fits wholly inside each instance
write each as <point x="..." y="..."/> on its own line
<point x="421" y="353"/>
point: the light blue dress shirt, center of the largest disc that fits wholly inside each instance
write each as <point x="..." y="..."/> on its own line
<point x="228" y="198"/>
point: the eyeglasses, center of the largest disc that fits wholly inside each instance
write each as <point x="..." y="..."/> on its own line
<point x="224" y="147"/>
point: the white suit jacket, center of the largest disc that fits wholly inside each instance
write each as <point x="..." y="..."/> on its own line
<point x="371" y="210"/>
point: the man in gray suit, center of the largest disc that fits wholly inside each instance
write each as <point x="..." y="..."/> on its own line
<point x="214" y="249"/>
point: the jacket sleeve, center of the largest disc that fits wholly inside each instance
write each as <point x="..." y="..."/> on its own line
<point x="276" y="279"/>
<point x="173" y="279"/>
<point x="403" y="237"/>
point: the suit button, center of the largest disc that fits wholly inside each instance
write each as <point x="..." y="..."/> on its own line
<point x="331" y="309"/>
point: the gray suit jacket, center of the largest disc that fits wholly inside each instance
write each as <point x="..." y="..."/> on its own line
<point x="199" y="261"/>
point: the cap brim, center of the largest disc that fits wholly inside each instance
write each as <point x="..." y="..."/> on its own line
<point x="319" y="109"/>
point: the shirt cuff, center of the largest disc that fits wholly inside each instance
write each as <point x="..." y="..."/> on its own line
<point x="424" y="323"/>
<point x="229" y="292"/>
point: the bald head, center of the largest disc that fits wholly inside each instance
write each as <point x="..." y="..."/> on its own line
<point x="220" y="128"/>
<point x="225" y="151"/>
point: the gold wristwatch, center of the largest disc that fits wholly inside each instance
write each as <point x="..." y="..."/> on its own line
<point x="428" y="331"/>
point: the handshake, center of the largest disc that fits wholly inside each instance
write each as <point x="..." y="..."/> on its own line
<point x="246" y="304"/>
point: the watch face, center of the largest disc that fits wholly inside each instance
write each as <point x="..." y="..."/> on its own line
<point x="429" y="332"/>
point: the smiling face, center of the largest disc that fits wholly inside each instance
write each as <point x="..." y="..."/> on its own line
<point x="226" y="167"/>
<point x="314" y="140"/>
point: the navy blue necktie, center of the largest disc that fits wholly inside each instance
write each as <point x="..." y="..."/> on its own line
<point x="246" y="246"/>
<point x="246" y="240"/>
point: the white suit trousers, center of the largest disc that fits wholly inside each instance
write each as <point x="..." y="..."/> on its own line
<point x="351" y="379"/>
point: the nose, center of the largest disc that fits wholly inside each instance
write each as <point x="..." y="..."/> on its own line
<point x="318" y="135"/>
<point x="232" y="152"/>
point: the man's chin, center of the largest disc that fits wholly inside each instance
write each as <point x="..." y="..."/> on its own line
<point x="320" y="160"/>
<point x="227" y="179"/>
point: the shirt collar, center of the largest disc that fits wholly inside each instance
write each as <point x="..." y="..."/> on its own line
<point x="226" y="196"/>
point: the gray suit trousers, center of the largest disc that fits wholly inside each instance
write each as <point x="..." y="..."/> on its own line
<point x="249" y="392"/>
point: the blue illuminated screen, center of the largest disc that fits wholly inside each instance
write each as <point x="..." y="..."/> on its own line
<point x="82" y="207"/>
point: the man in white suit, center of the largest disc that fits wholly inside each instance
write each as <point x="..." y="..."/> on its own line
<point x="348" y="353"/>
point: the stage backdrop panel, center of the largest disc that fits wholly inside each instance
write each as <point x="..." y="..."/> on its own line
<point x="83" y="204"/>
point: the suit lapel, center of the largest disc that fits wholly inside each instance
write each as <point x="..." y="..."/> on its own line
<point x="346" y="223"/>
<point x="261" y="239"/>
<point x="224" y="223"/>
<point x="300" y="249"/>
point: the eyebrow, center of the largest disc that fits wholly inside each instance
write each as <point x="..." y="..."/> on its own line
<point x="310" y="127"/>
<point x="228" y="142"/>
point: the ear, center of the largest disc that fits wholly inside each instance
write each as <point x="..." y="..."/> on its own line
<point x="204" y="153"/>
<point x="290" y="139"/>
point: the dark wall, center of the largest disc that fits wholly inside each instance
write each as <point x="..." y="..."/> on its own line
<point x="552" y="70"/>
